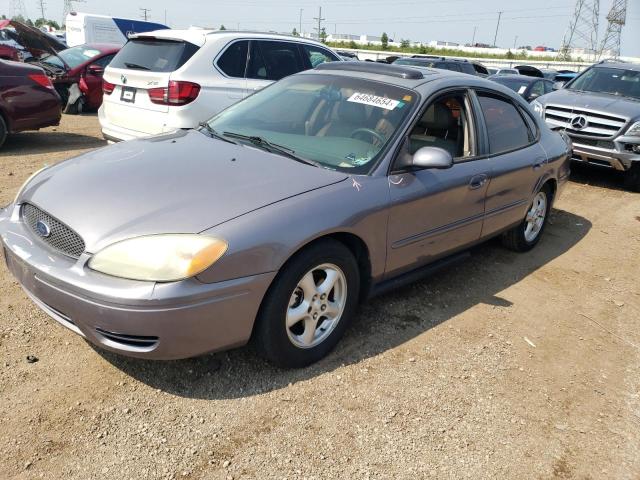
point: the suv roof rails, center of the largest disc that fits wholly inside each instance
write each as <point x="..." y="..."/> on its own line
<point x="373" y="67"/>
<point x="612" y="60"/>
<point x="444" y="59"/>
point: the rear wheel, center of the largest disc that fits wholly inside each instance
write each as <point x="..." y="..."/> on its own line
<point x="309" y="306"/>
<point x="526" y="235"/>
<point x="4" y="131"/>
<point x="76" y="108"/>
<point x="632" y="177"/>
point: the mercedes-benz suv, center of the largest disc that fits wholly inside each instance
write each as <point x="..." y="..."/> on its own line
<point x="600" y="111"/>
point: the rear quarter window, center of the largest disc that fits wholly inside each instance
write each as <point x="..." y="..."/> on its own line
<point x="154" y="55"/>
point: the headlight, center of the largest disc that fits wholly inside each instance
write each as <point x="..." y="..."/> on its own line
<point x="538" y="108"/>
<point x="634" y="130"/>
<point x="159" y="258"/>
<point x="24" y="185"/>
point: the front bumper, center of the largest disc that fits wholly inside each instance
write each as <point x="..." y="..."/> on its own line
<point x="617" y="156"/>
<point x="139" y="319"/>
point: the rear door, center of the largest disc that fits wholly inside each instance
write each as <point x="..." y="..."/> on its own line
<point x="516" y="160"/>
<point x="270" y="61"/>
<point x="232" y="63"/>
<point x="142" y="64"/>
<point x="93" y="81"/>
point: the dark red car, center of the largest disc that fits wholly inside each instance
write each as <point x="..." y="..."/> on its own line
<point x="28" y="100"/>
<point x="77" y="74"/>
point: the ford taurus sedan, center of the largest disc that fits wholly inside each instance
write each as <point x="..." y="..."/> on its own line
<point x="274" y="219"/>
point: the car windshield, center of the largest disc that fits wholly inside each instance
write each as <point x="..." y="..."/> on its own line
<point x="614" y="81"/>
<point x="72" y="56"/>
<point x="413" y="62"/>
<point x="515" y="84"/>
<point x="340" y="123"/>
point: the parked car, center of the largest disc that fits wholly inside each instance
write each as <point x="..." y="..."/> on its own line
<point x="527" y="87"/>
<point x="77" y="74"/>
<point x="347" y="55"/>
<point x="164" y="80"/>
<point x="28" y="100"/>
<point x="10" y="49"/>
<point x="276" y="217"/>
<point x="31" y="42"/>
<point x="600" y="111"/>
<point x="480" y="69"/>
<point x="453" y="64"/>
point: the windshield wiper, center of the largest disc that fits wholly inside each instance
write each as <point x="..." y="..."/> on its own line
<point x="274" y="147"/>
<point x="215" y="134"/>
<point x="135" y="66"/>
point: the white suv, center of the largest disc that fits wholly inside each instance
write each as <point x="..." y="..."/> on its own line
<point x="169" y="79"/>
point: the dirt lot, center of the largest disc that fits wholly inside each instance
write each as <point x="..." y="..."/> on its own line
<point x="506" y="366"/>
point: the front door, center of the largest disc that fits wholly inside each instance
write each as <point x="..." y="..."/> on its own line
<point x="434" y="212"/>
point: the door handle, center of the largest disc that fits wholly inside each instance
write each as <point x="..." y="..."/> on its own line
<point x="478" y="181"/>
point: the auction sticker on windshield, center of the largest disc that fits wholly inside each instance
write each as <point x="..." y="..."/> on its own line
<point x="375" y="101"/>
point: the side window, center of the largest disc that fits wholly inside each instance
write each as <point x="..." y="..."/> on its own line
<point x="280" y="59"/>
<point x="234" y="59"/>
<point x="317" y="55"/>
<point x="454" y="67"/>
<point x="548" y="86"/>
<point x="506" y="128"/>
<point x="104" y="61"/>
<point x="538" y="88"/>
<point x="447" y="124"/>
<point x="256" y="68"/>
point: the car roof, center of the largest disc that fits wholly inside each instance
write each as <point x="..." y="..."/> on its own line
<point x="521" y="78"/>
<point x="199" y="36"/>
<point x="621" y="65"/>
<point x="103" y="47"/>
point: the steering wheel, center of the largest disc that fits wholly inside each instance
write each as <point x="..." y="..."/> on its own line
<point x="369" y="131"/>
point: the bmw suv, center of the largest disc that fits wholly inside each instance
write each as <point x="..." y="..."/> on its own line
<point x="600" y="111"/>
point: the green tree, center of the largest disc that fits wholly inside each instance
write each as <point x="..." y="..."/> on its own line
<point x="510" y="54"/>
<point x="222" y="27"/>
<point x="295" y="32"/>
<point x="323" y="35"/>
<point x="353" y="44"/>
<point x="384" y="40"/>
<point x="405" y="43"/>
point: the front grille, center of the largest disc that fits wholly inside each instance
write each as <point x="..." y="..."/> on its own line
<point x="591" y="142"/>
<point x="61" y="237"/>
<point x="599" y="125"/>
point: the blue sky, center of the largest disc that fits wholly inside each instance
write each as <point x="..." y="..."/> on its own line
<point x="534" y="23"/>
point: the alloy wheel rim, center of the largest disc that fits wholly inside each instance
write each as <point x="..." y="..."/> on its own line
<point x="535" y="217"/>
<point x="316" y="306"/>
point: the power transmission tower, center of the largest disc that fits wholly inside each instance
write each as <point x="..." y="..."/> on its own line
<point x="68" y="8"/>
<point x="319" y="19"/>
<point x="145" y="13"/>
<point x="583" y="28"/>
<point x="17" y="8"/>
<point x="616" y="19"/>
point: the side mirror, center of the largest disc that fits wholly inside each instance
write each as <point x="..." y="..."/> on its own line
<point x="431" y="157"/>
<point x="558" y="85"/>
<point x="95" y="69"/>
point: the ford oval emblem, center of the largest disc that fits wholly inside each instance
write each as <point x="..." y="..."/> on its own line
<point x="43" y="229"/>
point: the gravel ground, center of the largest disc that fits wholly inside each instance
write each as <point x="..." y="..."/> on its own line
<point x="505" y="366"/>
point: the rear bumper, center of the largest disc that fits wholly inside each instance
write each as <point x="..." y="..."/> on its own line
<point x="138" y="319"/>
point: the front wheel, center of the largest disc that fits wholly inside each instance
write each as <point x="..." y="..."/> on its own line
<point x="309" y="306"/>
<point x="632" y="177"/>
<point x="526" y="235"/>
<point x="76" y="108"/>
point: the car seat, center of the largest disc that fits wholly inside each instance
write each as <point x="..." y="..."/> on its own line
<point x="434" y="129"/>
<point x="348" y="116"/>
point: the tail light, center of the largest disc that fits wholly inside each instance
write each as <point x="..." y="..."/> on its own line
<point x="107" y="88"/>
<point x="42" y="80"/>
<point x="177" y="93"/>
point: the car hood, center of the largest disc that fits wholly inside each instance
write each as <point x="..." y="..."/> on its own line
<point x="609" y="104"/>
<point x="37" y="42"/>
<point x="186" y="182"/>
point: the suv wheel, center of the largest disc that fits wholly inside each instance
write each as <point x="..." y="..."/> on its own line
<point x="526" y="235"/>
<point x="76" y="108"/>
<point x="309" y="306"/>
<point x="632" y="177"/>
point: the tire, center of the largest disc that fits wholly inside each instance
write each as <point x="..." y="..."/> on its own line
<point x="75" y="108"/>
<point x="292" y="295"/>
<point x="527" y="233"/>
<point x="4" y="131"/>
<point x="632" y="177"/>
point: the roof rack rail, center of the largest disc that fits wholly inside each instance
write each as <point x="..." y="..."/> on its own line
<point x="434" y="57"/>
<point x="612" y="60"/>
<point x="372" y="67"/>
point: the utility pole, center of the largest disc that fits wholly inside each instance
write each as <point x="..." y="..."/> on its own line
<point x="300" y="26"/>
<point x="319" y="19"/>
<point x="42" y="5"/>
<point x="515" y="40"/>
<point x="145" y="12"/>
<point x="495" y="38"/>
<point x="165" y="16"/>
<point x="473" y="39"/>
